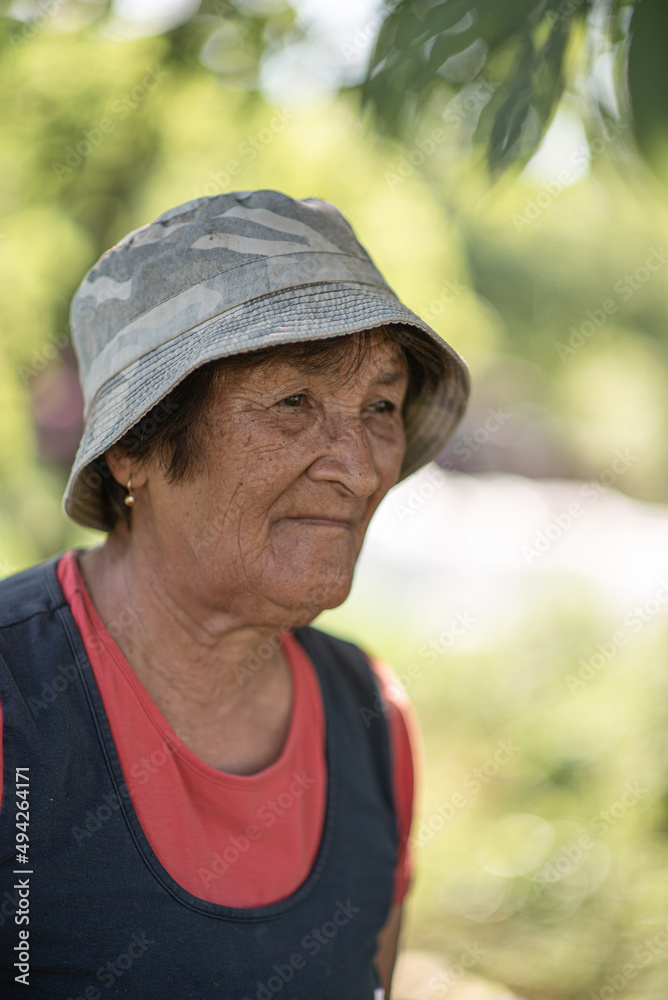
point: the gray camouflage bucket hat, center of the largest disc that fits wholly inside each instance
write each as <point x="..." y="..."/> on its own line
<point x="220" y="276"/>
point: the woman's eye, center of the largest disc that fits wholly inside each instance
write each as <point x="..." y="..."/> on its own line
<point x="383" y="406"/>
<point x="296" y="400"/>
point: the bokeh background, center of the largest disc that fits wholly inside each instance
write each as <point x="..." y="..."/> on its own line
<point x="503" y="163"/>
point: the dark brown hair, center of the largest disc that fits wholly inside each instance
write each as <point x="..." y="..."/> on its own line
<point x="171" y="432"/>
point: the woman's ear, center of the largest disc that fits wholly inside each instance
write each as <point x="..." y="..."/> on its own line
<point x="124" y="466"/>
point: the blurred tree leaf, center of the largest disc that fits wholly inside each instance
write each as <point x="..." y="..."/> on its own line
<point x="648" y="81"/>
<point x="519" y="47"/>
<point x="523" y="50"/>
<point x="417" y="41"/>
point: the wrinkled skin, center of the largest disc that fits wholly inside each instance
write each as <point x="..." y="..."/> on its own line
<point x="296" y="466"/>
<point x="262" y="538"/>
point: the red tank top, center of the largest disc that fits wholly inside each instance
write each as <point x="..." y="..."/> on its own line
<point x="219" y="835"/>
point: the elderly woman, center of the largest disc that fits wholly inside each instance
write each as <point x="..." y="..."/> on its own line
<point x="201" y="796"/>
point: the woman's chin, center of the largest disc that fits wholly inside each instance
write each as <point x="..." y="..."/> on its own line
<point x="301" y="605"/>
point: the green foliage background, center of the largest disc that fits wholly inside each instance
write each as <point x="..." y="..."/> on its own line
<point x="509" y="276"/>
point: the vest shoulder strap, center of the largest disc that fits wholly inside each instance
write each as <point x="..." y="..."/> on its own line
<point x="342" y="660"/>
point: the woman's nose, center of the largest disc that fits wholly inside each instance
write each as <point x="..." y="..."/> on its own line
<point x="347" y="457"/>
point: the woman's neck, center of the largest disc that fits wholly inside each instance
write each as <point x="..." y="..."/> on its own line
<point x="223" y="685"/>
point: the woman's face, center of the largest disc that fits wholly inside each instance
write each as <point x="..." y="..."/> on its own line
<point x="294" y="466"/>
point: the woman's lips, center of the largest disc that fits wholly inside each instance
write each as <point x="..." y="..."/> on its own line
<point x="322" y="522"/>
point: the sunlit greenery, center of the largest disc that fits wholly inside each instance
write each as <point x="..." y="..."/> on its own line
<point x="553" y="286"/>
<point x="542" y="836"/>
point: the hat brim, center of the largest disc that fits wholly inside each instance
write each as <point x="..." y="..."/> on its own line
<point x="303" y="313"/>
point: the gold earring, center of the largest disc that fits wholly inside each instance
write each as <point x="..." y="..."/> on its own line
<point x="130" y="498"/>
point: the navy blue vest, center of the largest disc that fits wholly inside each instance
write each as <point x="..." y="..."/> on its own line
<point x="104" y="918"/>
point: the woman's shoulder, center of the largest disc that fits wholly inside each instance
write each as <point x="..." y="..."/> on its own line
<point x="325" y="649"/>
<point x="30" y="592"/>
<point x="389" y="696"/>
<point x="397" y="705"/>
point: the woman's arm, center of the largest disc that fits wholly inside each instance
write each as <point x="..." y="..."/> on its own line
<point x="407" y="753"/>
<point x="386" y="955"/>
